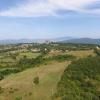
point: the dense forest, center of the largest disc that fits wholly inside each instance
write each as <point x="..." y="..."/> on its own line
<point x="81" y="80"/>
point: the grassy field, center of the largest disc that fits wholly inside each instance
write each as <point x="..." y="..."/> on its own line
<point x="6" y="59"/>
<point x="82" y="53"/>
<point x="28" y="54"/>
<point x="20" y="86"/>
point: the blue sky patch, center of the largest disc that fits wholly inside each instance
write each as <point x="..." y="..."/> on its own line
<point x="93" y="6"/>
<point x="36" y="18"/>
<point x="6" y="4"/>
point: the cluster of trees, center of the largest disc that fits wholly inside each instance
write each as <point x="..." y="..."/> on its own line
<point x="97" y="51"/>
<point x="81" y="80"/>
<point x="61" y="57"/>
<point x="6" y="72"/>
<point x="64" y="46"/>
<point x="26" y="63"/>
<point x="23" y="64"/>
<point x="7" y="50"/>
<point x="70" y="46"/>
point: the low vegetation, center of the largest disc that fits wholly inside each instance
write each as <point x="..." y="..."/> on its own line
<point x="22" y="84"/>
<point x="36" y="80"/>
<point x="26" y="63"/>
<point x="32" y="72"/>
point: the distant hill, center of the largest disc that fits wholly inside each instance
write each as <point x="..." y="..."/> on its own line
<point x="83" y="41"/>
<point x="17" y="41"/>
<point x="9" y="41"/>
<point x="61" y="39"/>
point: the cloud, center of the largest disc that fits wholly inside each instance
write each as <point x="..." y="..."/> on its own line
<point x="95" y="5"/>
<point x="34" y="8"/>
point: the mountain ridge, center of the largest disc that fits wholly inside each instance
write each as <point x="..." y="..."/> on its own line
<point x="83" y="41"/>
<point x="60" y="40"/>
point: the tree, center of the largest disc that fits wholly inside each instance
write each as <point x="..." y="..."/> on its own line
<point x="36" y="80"/>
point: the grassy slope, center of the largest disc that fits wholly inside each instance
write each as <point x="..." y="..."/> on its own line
<point x="8" y="60"/>
<point x="28" y="55"/>
<point x="21" y="85"/>
<point x="82" y="53"/>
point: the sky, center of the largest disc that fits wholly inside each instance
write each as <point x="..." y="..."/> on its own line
<point x="37" y="19"/>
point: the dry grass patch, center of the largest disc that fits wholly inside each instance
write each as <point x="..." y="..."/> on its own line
<point x="24" y="88"/>
<point x="82" y="53"/>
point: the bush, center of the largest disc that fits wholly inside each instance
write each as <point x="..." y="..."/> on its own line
<point x="18" y="98"/>
<point x="36" y="80"/>
<point x="1" y="77"/>
<point x="1" y="90"/>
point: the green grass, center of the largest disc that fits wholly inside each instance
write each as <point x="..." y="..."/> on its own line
<point x="6" y="59"/>
<point x="28" y="55"/>
<point x="20" y="85"/>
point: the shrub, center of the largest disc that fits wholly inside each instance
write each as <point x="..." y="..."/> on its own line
<point x="18" y="98"/>
<point x="1" y="90"/>
<point x="36" y="80"/>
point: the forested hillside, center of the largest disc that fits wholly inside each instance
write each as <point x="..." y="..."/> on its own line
<point x="80" y="81"/>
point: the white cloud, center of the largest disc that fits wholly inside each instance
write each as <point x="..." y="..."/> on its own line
<point x="47" y="7"/>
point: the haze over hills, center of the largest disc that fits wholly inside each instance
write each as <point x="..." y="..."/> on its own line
<point x="83" y="41"/>
<point x="17" y="41"/>
<point x="60" y="39"/>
